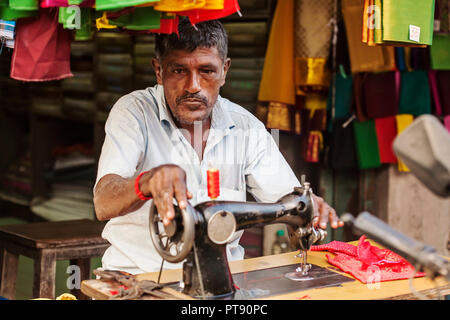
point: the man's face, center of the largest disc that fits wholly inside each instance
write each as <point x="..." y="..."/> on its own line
<point x="191" y="81"/>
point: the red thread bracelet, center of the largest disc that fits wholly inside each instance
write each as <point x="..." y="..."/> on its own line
<point x="137" y="190"/>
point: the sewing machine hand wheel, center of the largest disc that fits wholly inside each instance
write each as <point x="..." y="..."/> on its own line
<point x="179" y="235"/>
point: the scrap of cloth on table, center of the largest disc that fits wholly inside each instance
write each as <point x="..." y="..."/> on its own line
<point x="366" y="262"/>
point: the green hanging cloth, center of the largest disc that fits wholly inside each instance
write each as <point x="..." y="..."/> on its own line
<point x="24" y="4"/>
<point x="141" y="18"/>
<point x="367" y="151"/>
<point x="343" y="96"/>
<point x="415" y="97"/>
<point x="440" y="52"/>
<point x="86" y="31"/>
<point x="102" y="5"/>
<point x="7" y="13"/>
<point x="408" y="21"/>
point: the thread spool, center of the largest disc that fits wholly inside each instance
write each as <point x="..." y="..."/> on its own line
<point x="213" y="183"/>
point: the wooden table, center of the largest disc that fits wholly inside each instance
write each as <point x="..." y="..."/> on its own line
<point x="354" y="290"/>
<point x="47" y="242"/>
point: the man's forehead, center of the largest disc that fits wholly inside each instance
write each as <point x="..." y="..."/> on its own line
<point x="201" y="55"/>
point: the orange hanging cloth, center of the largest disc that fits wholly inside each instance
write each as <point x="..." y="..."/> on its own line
<point x="276" y="96"/>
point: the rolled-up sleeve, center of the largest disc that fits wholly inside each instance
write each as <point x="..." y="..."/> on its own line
<point x="124" y="145"/>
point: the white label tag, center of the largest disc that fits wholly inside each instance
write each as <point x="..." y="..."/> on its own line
<point x="414" y="33"/>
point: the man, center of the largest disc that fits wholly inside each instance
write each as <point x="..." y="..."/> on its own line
<point x="160" y="142"/>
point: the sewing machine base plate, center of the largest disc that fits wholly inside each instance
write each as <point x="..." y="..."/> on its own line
<point x="273" y="281"/>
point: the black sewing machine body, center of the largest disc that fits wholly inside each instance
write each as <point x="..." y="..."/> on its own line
<point x="206" y="271"/>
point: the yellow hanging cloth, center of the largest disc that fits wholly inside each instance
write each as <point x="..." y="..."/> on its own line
<point x="276" y="93"/>
<point x="313" y="30"/>
<point x="403" y="121"/>
<point x="213" y="5"/>
<point x="179" y="5"/>
<point x="103" y="22"/>
<point x="364" y="58"/>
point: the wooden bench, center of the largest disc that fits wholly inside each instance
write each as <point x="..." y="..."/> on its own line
<point x="46" y="242"/>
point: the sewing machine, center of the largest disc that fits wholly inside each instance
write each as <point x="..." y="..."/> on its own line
<point x="199" y="234"/>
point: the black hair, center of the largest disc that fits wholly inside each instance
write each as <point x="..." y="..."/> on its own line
<point x="205" y="34"/>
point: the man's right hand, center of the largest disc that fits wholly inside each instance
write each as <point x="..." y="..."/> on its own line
<point x="163" y="183"/>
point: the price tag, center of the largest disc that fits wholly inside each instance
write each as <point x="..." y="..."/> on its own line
<point x="414" y="33"/>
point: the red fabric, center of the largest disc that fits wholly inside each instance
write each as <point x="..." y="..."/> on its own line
<point x="364" y="260"/>
<point x="42" y="48"/>
<point x="199" y="15"/>
<point x="386" y="129"/>
<point x="167" y="26"/>
<point x="312" y="154"/>
<point x="434" y="90"/>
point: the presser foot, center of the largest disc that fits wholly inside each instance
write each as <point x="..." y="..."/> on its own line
<point x="301" y="272"/>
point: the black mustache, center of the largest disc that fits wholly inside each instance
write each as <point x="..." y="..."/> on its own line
<point x="195" y="96"/>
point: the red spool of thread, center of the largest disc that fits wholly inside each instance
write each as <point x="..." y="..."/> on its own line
<point x="213" y="182"/>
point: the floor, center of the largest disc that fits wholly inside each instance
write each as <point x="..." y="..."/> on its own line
<point x="24" y="283"/>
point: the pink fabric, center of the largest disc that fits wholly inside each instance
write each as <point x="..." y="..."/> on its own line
<point x="364" y="261"/>
<point x="447" y="123"/>
<point x="64" y="3"/>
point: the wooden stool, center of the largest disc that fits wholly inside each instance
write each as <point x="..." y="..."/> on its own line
<point x="46" y="242"/>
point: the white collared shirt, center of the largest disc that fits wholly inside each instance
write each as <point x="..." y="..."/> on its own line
<point x="141" y="135"/>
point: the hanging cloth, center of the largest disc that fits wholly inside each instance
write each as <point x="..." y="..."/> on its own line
<point x="168" y="24"/>
<point x="343" y="97"/>
<point x="103" y="22"/>
<point x="137" y="18"/>
<point x="277" y="81"/>
<point x="435" y="93"/>
<point x="102" y="5"/>
<point x="367" y="262"/>
<point x="358" y="103"/>
<point x="364" y="58"/>
<point x="198" y="15"/>
<point x="415" y="97"/>
<point x="443" y="83"/>
<point x="24" y="4"/>
<point x="8" y="13"/>
<point x="313" y="29"/>
<point x="440" y="52"/>
<point x="386" y="130"/>
<point x="66" y="3"/>
<point x="380" y="96"/>
<point x="408" y="22"/>
<point x="402" y="122"/>
<point x="367" y="151"/>
<point x="178" y="5"/>
<point x="42" y="48"/>
<point x="314" y="146"/>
